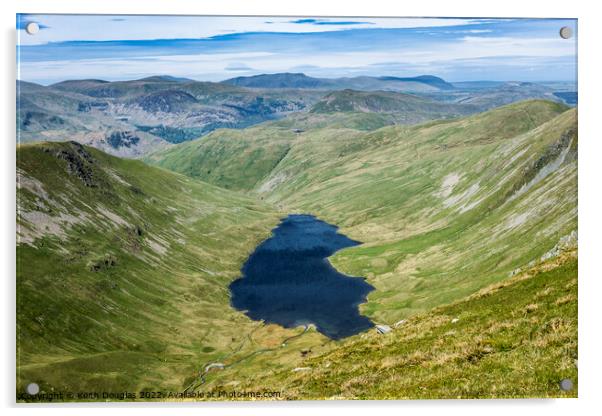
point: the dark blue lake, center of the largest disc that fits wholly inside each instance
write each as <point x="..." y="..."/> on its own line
<point x="289" y="281"/>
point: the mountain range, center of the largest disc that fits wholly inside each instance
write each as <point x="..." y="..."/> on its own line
<point x="135" y="118"/>
<point x="421" y="83"/>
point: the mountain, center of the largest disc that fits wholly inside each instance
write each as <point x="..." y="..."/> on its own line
<point x="421" y="83"/>
<point x="425" y="79"/>
<point x="167" y="78"/>
<point x="157" y="110"/>
<point x="404" y="108"/>
<point x="122" y="270"/>
<point x="481" y="204"/>
<point x="472" y="349"/>
<point x="486" y="95"/>
<point x="284" y="80"/>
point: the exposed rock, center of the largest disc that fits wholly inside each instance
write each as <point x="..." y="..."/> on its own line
<point x="567" y="242"/>
<point x="37" y="120"/>
<point x="217" y="366"/>
<point x="383" y="329"/>
<point x="167" y="101"/>
<point x="79" y="162"/>
<point x="107" y="262"/>
<point x="86" y="107"/>
<point x="119" y="139"/>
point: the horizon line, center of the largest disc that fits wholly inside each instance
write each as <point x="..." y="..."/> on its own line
<point x="290" y="73"/>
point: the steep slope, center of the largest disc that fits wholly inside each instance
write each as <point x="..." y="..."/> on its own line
<point x="476" y="348"/>
<point x="442" y="208"/>
<point x="122" y="271"/>
<point x="45" y="113"/>
<point x="228" y="158"/>
<point x="222" y="156"/>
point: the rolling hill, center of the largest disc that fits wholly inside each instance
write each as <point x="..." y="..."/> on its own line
<point x="155" y="112"/>
<point x="402" y="108"/>
<point x="484" y="204"/>
<point x="472" y="349"/>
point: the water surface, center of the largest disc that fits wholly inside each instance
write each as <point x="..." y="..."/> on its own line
<point x="289" y="281"/>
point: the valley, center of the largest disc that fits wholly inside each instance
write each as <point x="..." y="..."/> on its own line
<point x="465" y="209"/>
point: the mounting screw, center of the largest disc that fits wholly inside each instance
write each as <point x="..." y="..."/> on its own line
<point x="566" y="384"/>
<point x="32" y="28"/>
<point x="566" y="32"/>
<point x="32" y="388"/>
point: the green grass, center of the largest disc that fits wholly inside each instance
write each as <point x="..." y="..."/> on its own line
<point x="228" y="158"/>
<point x="137" y="297"/>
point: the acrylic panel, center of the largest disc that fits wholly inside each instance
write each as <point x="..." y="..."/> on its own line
<point x="295" y="208"/>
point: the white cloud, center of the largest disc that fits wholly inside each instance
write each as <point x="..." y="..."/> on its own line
<point x="114" y="27"/>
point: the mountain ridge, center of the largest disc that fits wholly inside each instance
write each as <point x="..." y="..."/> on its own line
<point x="301" y="80"/>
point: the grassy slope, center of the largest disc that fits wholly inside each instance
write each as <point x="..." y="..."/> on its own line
<point x="133" y="293"/>
<point x="514" y="339"/>
<point x="426" y="245"/>
<point x="227" y="158"/>
<point x="405" y="108"/>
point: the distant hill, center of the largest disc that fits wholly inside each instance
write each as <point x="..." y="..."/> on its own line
<point x="283" y="80"/>
<point x="299" y="80"/>
<point x="155" y="112"/>
<point x="158" y="110"/>
<point x="405" y="108"/>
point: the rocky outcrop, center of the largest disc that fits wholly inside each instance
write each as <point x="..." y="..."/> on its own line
<point x="78" y="162"/>
<point x="566" y="243"/>
<point x="119" y="139"/>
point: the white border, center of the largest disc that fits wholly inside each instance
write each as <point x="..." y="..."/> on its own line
<point x="590" y="161"/>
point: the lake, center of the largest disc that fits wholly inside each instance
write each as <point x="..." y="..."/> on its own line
<point x="289" y="281"/>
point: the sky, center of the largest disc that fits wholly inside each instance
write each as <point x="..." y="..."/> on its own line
<point x="214" y="48"/>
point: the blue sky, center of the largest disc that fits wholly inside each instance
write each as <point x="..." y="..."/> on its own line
<point x="216" y="48"/>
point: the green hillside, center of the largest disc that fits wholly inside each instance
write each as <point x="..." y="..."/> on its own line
<point x="404" y="108"/>
<point x="515" y="339"/>
<point x="122" y="270"/>
<point x="232" y="159"/>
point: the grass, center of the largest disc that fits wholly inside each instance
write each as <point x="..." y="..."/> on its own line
<point x="517" y="339"/>
<point x="133" y="293"/>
